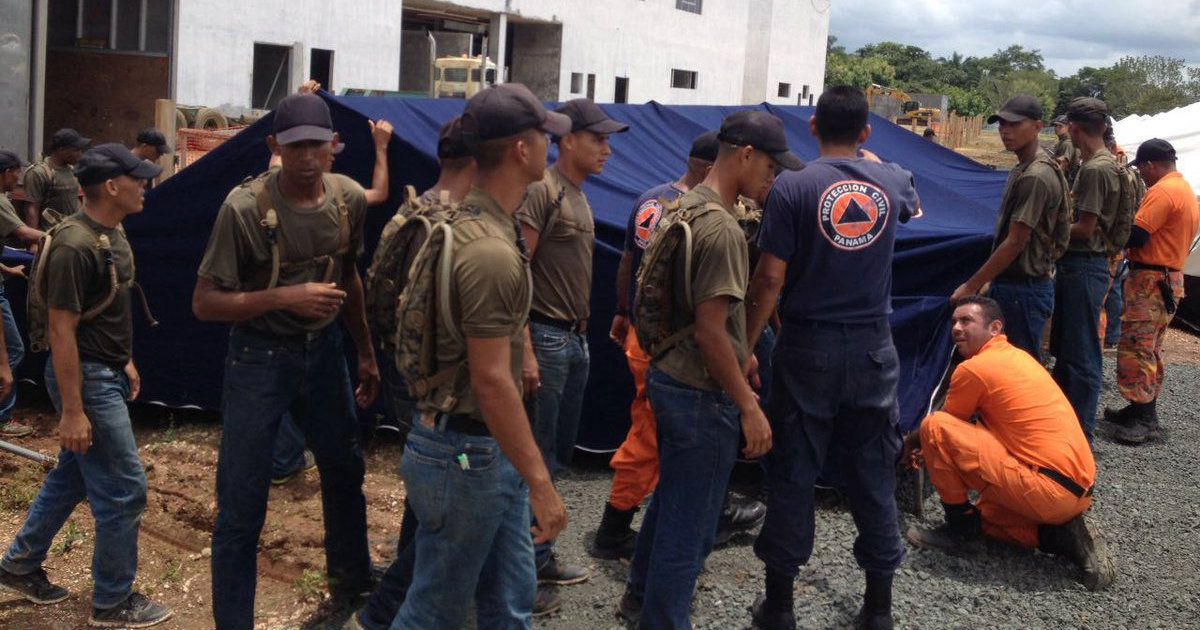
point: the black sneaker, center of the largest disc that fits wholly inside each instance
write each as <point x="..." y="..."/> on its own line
<point x="135" y="612"/>
<point x="764" y="619"/>
<point x="629" y="608"/>
<point x="309" y="463"/>
<point x="546" y="602"/>
<point x="33" y="586"/>
<point x="738" y="516"/>
<point x="561" y="574"/>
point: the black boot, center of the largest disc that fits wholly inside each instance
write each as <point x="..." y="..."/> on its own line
<point x="774" y="609"/>
<point x="962" y="532"/>
<point x="1121" y="417"/>
<point x="876" y="613"/>
<point x="615" y="538"/>
<point x="1143" y="426"/>
<point x="1081" y="541"/>
<point x="738" y="516"/>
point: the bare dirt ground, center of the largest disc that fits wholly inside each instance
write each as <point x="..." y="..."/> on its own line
<point x="179" y="451"/>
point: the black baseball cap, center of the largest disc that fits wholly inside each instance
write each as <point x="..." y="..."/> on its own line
<point x="450" y="141"/>
<point x="1154" y="150"/>
<point x="10" y="160"/>
<point x="1018" y="108"/>
<point x="68" y="137"/>
<point x="154" y="138"/>
<point x="705" y="147"/>
<point x="300" y="117"/>
<point x="764" y="132"/>
<point x="587" y="116"/>
<point x="508" y="109"/>
<point x="1087" y="109"/>
<point x="107" y="161"/>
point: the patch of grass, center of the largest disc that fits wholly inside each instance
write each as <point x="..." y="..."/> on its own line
<point x="70" y="536"/>
<point x="171" y="433"/>
<point x="174" y="572"/>
<point x="19" y="490"/>
<point x="311" y="584"/>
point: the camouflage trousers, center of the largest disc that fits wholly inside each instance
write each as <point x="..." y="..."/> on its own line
<point x="1140" y="368"/>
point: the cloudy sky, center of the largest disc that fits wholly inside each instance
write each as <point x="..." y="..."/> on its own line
<point x="1070" y="33"/>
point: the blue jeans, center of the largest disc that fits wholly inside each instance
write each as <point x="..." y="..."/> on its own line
<point x="16" y="353"/>
<point x="472" y="544"/>
<point x="109" y="475"/>
<point x="392" y="590"/>
<point x="1027" y="305"/>
<point x="266" y="377"/>
<point x="1080" y="285"/>
<point x="697" y="444"/>
<point x="1114" y="305"/>
<point x="834" y="392"/>
<point x="563" y="360"/>
<point x="287" y="456"/>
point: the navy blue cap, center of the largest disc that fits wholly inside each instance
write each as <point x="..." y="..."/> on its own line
<point x="68" y="137"/>
<point x="10" y="160"/>
<point x="508" y="109"/>
<point x="1154" y="150"/>
<point x="587" y="116"/>
<point x="764" y="132"/>
<point x="107" y="161"/>
<point x="705" y="147"/>
<point x="300" y="117"/>
<point x="154" y="138"/>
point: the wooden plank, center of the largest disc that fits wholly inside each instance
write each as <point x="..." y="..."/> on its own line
<point x="164" y="120"/>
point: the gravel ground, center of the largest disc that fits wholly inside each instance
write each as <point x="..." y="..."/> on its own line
<point x="1147" y="501"/>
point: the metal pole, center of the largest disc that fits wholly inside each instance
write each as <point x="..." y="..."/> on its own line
<point x="28" y="454"/>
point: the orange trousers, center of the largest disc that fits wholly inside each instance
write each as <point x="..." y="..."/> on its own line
<point x="1013" y="497"/>
<point x="636" y="461"/>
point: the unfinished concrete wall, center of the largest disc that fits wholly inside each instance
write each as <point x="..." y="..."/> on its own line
<point x="105" y="96"/>
<point x="414" y="55"/>
<point x="16" y="29"/>
<point x="799" y="32"/>
<point x="537" y="58"/>
<point x="216" y="44"/>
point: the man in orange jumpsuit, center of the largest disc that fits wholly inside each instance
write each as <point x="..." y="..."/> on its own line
<point x="1025" y="455"/>
<point x="1158" y="247"/>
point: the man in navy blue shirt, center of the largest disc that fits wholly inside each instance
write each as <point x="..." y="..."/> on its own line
<point x="827" y="243"/>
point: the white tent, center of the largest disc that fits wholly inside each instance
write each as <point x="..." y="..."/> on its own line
<point x="1180" y="127"/>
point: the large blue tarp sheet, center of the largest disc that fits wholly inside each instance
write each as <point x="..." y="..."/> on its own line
<point x="181" y="360"/>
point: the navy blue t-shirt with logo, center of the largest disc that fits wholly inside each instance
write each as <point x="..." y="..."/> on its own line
<point x="642" y="221"/>
<point x="834" y="224"/>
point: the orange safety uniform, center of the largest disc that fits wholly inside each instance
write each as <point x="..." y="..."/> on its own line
<point x="635" y="463"/>
<point x="1026" y="426"/>
<point x="1169" y="213"/>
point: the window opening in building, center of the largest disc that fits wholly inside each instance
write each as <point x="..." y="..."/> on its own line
<point x="804" y="93"/>
<point x="271" y="76"/>
<point x="576" y="82"/>
<point x="785" y="90"/>
<point x="621" y="90"/>
<point x="591" y="91"/>
<point x="685" y="79"/>
<point x="321" y="67"/>
<point x="134" y="26"/>
<point x="691" y="6"/>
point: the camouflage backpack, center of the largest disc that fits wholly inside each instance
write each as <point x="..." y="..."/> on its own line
<point x="1057" y="241"/>
<point x="659" y="326"/>
<point x="426" y="297"/>
<point x="402" y="236"/>
<point x="37" y="310"/>
<point x="1130" y="197"/>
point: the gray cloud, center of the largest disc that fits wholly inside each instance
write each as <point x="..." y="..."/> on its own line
<point x="1070" y="33"/>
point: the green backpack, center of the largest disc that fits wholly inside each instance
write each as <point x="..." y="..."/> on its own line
<point x="1130" y="198"/>
<point x="660" y="326"/>
<point x="36" y="308"/>
<point x="402" y="237"/>
<point x="426" y="297"/>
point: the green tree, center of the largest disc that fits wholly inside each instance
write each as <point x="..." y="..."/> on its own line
<point x="858" y="71"/>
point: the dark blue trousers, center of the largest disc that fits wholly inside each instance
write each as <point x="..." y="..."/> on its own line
<point x="833" y="392"/>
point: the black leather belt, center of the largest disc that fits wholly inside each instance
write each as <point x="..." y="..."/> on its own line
<point x="459" y="423"/>
<point x="572" y="326"/>
<point x="1066" y="482"/>
<point x="1137" y="266"/>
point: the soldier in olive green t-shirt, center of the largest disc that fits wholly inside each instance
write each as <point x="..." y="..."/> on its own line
<point x="50" y="183"/>
<point x="1065" y="152"/>
<point x="12" y="230"/>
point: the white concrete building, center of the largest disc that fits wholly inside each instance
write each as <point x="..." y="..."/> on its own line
<point x="100" y="65"/>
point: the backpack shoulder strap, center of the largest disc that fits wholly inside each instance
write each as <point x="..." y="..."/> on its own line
<point x="557" y="193"/>
<point x="343" y="212"/>
<point x="268" y="218"/>
<point x="411" y="197"/>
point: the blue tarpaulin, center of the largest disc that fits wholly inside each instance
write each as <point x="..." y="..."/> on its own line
<point x="181" y="360"/>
